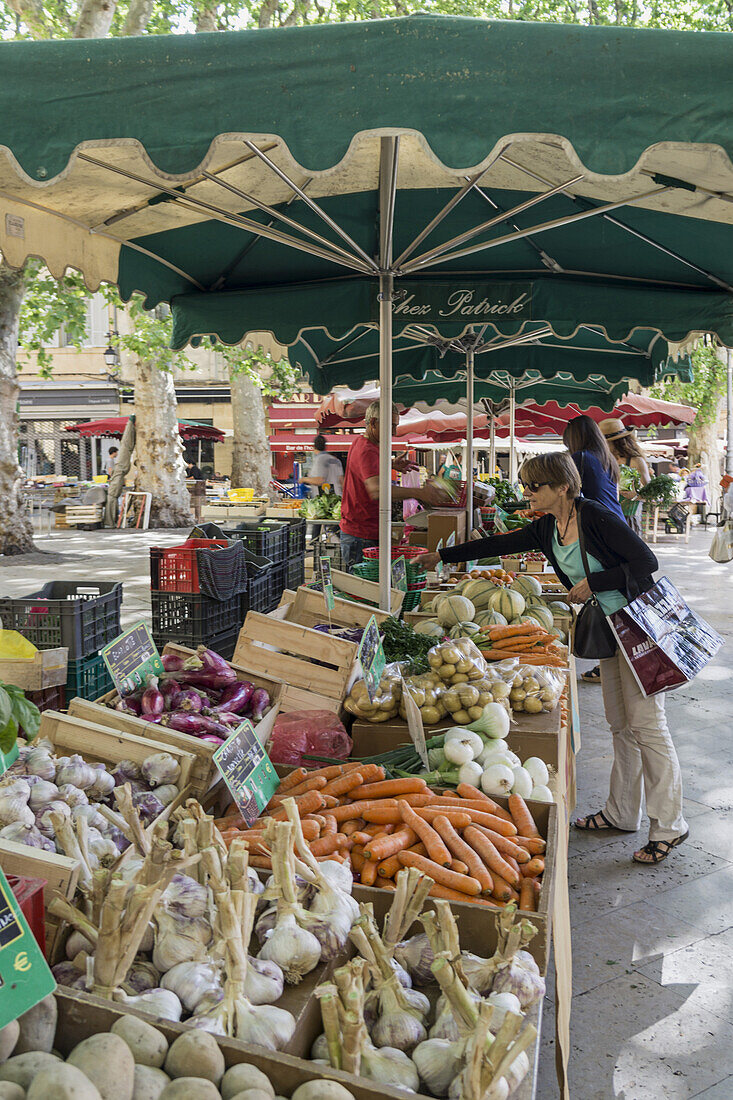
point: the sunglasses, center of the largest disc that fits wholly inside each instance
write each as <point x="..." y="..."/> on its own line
<point x="533" y="486"/>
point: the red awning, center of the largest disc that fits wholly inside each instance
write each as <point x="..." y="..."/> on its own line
<point x="114" y="426"/>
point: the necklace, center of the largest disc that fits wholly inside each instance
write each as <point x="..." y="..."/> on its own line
<point x="565" y="531"/>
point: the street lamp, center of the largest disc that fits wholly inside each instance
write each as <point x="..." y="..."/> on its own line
<point x="111" y="355"/>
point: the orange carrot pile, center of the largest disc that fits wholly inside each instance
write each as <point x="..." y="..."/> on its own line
<point x="473" y="848"/>
<point x="527" y="640"/>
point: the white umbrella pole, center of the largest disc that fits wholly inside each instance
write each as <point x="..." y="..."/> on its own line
<point x="469" y="441"/>
<point x="386" y="283"/>
<point x="512" y="441"/>
<point x="492" y="445"/>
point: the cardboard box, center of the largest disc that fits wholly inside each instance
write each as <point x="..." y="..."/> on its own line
<point x="442" y="523"/>
<point x="49" y="668"/>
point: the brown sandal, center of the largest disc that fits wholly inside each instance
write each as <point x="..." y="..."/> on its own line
<point x="659" y="850"/>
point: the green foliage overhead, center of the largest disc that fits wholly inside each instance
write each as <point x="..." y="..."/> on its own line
<point x="704" y="392"/>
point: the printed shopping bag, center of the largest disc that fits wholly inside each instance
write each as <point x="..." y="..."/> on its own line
<point x="665" y="643"/>
<point x="721" y="548"/>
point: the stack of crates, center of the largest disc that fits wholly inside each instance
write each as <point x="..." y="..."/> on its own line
<point x="196" y="594"/>
<point x="82" y="617"/>
<point x="296" y="553"/>
<point x="265" y="539"/>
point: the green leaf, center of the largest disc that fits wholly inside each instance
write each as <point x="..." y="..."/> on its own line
<point x="8" y="735"/>
<point x="27" y="715"/>
<point x="6" y="709"/>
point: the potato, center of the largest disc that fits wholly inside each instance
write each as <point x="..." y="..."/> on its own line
<point x="321" y="1090"/>
<point x="38" y="1027"/>
<point x="500" y="690"/>
<point x="9" y="1091"/>
<point x="149" y="1082"/>
<point x="459" y="678"/>
<point x="447" y="672"/>
<point x="196" y="1054"/>
<point x="243" y="1077"/>
<point x="22" y="1068"/>
<point x="430" y="715"/>
<point x="188" y="1088"/>
<point x="62" y="1082"/>
<point x="8" y="1039"/>
<point x="252" y="1094"/>
<point x="107" y="1061"/>
<point x="148" y="1045"/>
<point x="532" y="704"/>
<point x="474" y="713"/>
<point x="461" y="717"/>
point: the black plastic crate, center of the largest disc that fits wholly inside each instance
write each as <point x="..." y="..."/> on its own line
<point x="82" y="617"/>
<point x="296" y="537"/>
<point x="51" y="698"/>
<point x="267" y="538"/>
<point x="223" y="644"/>
<point x="88" y="678"/>
<point x="295" y="571"/>
<point x="278" y="582"/>
<point x="192" y="620"/>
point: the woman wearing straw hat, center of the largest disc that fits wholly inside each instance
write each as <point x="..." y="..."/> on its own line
<point x="633" y="469"/>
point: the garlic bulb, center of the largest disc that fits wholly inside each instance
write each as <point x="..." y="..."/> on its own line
<point x="14" y="806"/>
<point x="265" y="923"/>
<point x="166" y="794"/>
<point x="161" y="1003"/>
<point x="185" y="897"/>
<point x="265" y="1026"/>
<point x="41" y="794"/>
<point x="255" y="885"/>
<point x="179" y="939"/>
<point x="503" y="1003"/>
<point x="148" y="941"/>
<point x="319" y="1050"/>
<point x="27" y="834"/>
<point x="39" y="761"/>
<point x="76" y="943"/>
<point x="264" y="982"/>
<point x="520" y="976"/>
<point x="337" y="875"/>
<point x="480" y="973"/>
<point x="416" y="957"/>
<point x="192" y="981"/>
<point x="103" y="784"/>
<point x="160" y="768"/>
<point x="92" y="815"/>
<point x="65" y="973"/>
<point x="77" y="772"/>
<point x="72" y="795"/>
<point x="105" y="850"/>
<point x="141" y="977"/>
<point x="390" y="1067"/>
<point x="395" y="1026"/>
<point x="438" y="1061"/>
<point x="43" y="820"/>
<point x="125" y="772"/>
<point x="295" y="950"/>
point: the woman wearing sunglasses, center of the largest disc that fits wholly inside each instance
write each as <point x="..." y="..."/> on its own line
<point x="645" y="763"/>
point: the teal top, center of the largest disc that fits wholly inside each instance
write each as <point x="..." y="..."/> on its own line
<point x="570" y="561"/>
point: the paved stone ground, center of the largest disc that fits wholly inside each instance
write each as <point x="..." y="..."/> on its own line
<point x="653" y="947"/>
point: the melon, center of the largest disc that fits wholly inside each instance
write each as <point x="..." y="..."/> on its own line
<point x="464" y="630"/>
<point x="507" y="602"/>
<point x="455" y="609"/>
<point x="557" y="607"/>
<point x="430" y="627"/>
<point x="478" y="591"/>
<point x="560" y="634"/>
<point x="527" y="585"/>
<point x="541" y="612"/>
<point x="491" y="618"/>
<point x="527" y="617"/>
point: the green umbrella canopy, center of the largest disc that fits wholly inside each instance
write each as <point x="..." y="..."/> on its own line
<point x="238" y="175"/>
<point x="540" y="356"/>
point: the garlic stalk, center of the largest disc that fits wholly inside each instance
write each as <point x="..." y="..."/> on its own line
<point x="295" y="950"/>
<point x="399" y="1020"/>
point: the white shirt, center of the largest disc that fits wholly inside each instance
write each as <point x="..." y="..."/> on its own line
<point x="330" y="469"/>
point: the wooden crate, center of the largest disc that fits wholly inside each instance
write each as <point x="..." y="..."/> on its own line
<point x="307" y="607"/>
<point x="49" y="668"/>
<point x="60" y="874"/>
<point x="301" y="659"/>
<point x="366" y="590"/>
<point x="81" y="514"/>
<point x="203" y="771"/>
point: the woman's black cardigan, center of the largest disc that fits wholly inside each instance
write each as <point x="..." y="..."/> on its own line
<point x="628" y="563"/>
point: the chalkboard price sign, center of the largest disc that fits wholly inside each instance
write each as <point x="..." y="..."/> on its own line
<point x="371" y="657"/>
<point x="247" y="771"/>
<point x="399" y="574"/>
<point x="25" y="976"/>
<point x="327" y="583"/>
<point x="131" y="658"/>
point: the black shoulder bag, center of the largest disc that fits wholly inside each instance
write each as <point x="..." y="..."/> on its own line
<point x="593" y="637"/>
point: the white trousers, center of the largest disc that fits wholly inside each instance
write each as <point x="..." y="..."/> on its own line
<point x="644" y="759"/>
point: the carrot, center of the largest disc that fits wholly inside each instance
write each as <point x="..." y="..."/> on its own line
<point x="305" y="804"/>
<point x="463" y="851"/>
<point x="334" y="857"/>
<point x="382" y="847"/>
<point x="391" y="788"/>
<point x="358" y="859"/>
<point x="314" y="783"/>
<point x="330" y="801"/>
<point x="383" y="814"/>
<point x="348" y="828"/>
<point x="369" y="873"/>
<point x="361" y="838"/>
<point x="521" y="816"/>
<point x="534" y="868"/>
<point x="378" y="830"/>
<point x="506" y="846"/>
<point x="537" y="891"/>
<point x="388" y="868"/>
<point x="505" y="828"/>
<point x="535" y="845"/>
<point x="512" y="863"/>
<point x="479" y="796"/>
<point x="464" y="884"/>
<point x="438" y="891"/>
<point x="493" y="859"/>
<point x="458" y="867"/>
<point x="469" y="804"/>
<point x="526" y="896"/>
<point x="292" y="779"/>
<point x="263" y="862"/>
<point x="343" y="784"/>
<point x="328" y="844"/>
<point x="502" y="890"/>
<point x="498" y="632"/>
<point x="371" y="773"/>
<point x="437" y="850"/>
<point x="330" y="825"/>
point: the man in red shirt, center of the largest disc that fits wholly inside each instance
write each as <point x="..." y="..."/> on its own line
<point x="360" y="501"/>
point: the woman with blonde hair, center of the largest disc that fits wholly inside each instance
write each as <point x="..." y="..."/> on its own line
<point x="645" y="764"/>
<point x="633" y="468"/>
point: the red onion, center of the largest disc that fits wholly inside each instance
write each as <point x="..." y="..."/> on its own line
<point x="152" y="701"/>
<point x="172" y="662"/>
<point x="129" y="706"/>
<point x="236" y="697"/>
<point x="190" y="701"/>
<point x="212" y="662"/>
<point x="259" y="704"/>
<point x="211" y="738"/>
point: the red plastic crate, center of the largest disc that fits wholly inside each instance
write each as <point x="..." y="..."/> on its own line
<point x="29" y="896"/>
<point x="175" y="568"/>
<point x="371" y="553"/>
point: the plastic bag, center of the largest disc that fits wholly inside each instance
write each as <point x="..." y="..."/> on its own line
<point x="427" y="691"/>
<point x="386" y="702"/>
<point x="457" y="661"/>
<point x="535" y="689"/>
<point x="312" y="732"/>
<point x="14" y="647"/>
<point x="721" y="548"/>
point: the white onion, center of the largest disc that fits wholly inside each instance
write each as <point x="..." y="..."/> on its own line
<point x="538" y="770"/>
<point x="497" y="779"/>
<point x="541" y="793"/>
<point x="522" y="782"/>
